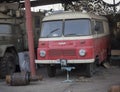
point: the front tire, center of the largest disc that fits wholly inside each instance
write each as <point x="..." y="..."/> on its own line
<point x="7" y="64"/>
<point x="89" y="69"/>
<point x="51" y="71"/>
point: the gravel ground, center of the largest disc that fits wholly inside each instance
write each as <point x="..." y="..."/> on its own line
<point x="102" y="80"/>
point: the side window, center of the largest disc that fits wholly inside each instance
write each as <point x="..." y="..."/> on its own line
<point x="99" y="26"/>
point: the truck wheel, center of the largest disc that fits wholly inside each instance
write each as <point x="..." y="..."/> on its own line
<point x="89" y="69"/>
<point x="51" y="71"/>
<point x="7" y="65"/>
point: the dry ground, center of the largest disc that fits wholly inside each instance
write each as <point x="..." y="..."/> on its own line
<point x="100" y="82"/>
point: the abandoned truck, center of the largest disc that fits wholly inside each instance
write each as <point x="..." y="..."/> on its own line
<point x="73" y="38"/>
<point x="13" y="40"/>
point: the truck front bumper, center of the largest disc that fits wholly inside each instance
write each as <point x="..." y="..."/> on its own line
<point x="68" y="61"/>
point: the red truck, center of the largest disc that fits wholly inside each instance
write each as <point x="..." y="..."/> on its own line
<point x="75" y="38"/>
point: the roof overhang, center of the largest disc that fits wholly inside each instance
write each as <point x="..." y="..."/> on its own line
<point x="38" y="2"/>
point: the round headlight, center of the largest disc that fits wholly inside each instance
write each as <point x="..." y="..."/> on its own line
<point x="42" y="53"/>
<point x="82" y="52"/>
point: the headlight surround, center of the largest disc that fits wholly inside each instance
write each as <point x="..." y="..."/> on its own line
<point x="42" y="53"/>
<point x="82" y="52"/>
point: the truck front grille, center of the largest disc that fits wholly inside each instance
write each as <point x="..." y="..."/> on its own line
<point x="59" y="52"/>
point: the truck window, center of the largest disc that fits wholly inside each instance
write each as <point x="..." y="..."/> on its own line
<point x="5" y="28"/>
<point x="51" y="29"/>
<point x="101" y="29"/>
<point x="77" y="27"/>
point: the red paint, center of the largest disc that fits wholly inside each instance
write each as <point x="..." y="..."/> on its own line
<point x="30" y="36"/>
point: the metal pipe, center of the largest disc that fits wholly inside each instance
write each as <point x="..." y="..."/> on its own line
<point x="114" y="6"/>
<point x="29" y="29"/>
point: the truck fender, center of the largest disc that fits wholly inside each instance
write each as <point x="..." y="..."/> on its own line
<point x="3" y="49"/>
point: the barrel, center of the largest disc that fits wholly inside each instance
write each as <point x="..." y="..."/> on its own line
<point x="18" y="79"/>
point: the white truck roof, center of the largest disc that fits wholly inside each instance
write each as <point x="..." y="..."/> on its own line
<point x="72" y="15"/>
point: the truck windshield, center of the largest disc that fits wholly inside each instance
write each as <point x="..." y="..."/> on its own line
<point x="51" y="29"/>
<point x="77" y="27"/>
<point x="72" y="27"/>
<point x="5" y="28"/>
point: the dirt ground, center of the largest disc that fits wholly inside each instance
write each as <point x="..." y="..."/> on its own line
<point x="102" y="80"/>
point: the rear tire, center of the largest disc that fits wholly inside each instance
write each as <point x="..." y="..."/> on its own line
<point x="51" y="71"/>
<point x="89" y="69"/>
<point x="7" y="64"/>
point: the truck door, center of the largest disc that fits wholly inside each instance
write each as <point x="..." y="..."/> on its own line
<point x="99" y="38"/>
<point x="94" y="33"/>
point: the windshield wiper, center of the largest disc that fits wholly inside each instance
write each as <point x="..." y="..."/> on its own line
<point x="53" y="31"/>
<point x="72" y="34"/>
